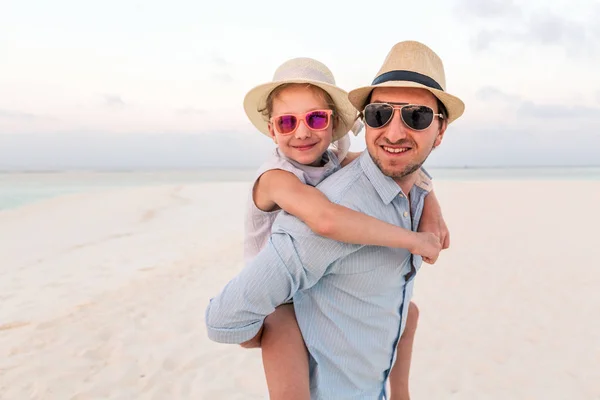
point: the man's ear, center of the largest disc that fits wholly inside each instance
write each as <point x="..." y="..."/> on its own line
<point x="440" y="136"/>
<point x="272" y="133"/>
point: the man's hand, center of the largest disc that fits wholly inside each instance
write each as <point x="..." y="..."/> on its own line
<point x="255" y="341"/>
<point x="433" y="222"/>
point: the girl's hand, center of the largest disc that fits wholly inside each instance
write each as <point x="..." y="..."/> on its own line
<point x="427" y="245"/>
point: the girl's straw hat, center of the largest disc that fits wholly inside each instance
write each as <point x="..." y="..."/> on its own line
<point x="301" y="70"/>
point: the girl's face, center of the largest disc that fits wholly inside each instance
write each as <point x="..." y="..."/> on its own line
<point x="304" y="145"/>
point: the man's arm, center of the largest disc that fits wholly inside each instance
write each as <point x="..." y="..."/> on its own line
<point x="433" y="221"/>
<point x="288" y="263"/>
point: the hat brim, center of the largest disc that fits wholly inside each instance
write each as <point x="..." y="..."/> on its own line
<point x="454" y="105"/>
<point x="255" y="100"/>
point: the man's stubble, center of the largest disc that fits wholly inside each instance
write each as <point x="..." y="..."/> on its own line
<point x="406" y="171"/>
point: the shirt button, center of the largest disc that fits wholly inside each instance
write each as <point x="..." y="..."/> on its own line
<point x="406" y="213"/>
<point x="401" y="196"/>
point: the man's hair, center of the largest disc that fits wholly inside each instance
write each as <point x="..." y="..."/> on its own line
<point x="442" y="109"/>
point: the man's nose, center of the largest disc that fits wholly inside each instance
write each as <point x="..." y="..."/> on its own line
<point x="396" y="130"/>
<point x="302" y="132"/>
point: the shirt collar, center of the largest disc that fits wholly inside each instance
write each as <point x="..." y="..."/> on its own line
<point x="385" y="186"/>
<point x="315" y="175"/>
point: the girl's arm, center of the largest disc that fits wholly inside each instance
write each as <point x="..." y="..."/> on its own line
<point x="431" y="220"/>
<point x="350" y="156"/>
<point x="337" y="222"/>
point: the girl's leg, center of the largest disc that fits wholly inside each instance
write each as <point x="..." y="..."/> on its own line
<point x="400" y="370"/>
<point x="285" y="358"/>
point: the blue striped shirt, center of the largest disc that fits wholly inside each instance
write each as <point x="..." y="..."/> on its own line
<point x="351" y="301"/>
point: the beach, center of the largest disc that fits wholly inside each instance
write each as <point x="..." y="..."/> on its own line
<point x="103" y="294"/>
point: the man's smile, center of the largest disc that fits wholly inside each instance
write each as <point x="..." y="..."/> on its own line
<point x="395" y="150"/>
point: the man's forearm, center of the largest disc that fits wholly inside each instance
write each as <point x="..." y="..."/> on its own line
<point x="236" y="315"/>
<point x="282" y="268"/>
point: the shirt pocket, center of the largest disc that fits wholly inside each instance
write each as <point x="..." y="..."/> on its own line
<point x="370" y="258"/>
<point x="371" y="270"/>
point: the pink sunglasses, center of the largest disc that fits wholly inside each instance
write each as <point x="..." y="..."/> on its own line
<point x="316" y="120"/>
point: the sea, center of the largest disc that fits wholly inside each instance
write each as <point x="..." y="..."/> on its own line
<point x="20" y="188"/>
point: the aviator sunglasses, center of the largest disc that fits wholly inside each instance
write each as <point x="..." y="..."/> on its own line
<point x="317" y="120"/>
<point x="414" y="116"/>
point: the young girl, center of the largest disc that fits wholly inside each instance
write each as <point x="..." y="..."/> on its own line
<point x="304" y="112"/>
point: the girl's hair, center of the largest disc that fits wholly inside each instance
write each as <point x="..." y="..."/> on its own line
<point x="268" y="109"/>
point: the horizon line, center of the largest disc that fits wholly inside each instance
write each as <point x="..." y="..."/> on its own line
<point x="246" y="168"/>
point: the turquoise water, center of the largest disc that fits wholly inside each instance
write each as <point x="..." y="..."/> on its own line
<point x="531" y="173"/>
<point x="19" y="188"/>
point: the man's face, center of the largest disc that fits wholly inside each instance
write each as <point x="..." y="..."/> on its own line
<point x="397" y="149"/>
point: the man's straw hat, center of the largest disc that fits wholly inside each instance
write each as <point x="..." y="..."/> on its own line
<point x="301" y="70"/>
<point x="411" y="64"/>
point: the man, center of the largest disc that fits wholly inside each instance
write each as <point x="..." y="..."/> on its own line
<point x="351" y="299"/>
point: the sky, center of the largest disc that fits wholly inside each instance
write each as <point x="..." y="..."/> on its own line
<point x="155" y="84"/>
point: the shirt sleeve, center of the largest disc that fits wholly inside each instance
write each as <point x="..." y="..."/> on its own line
<point x="293" y="260"/>
<point x="424" y="180"/>
<point x="277" y="162"/>
<point x="425" y="172"/>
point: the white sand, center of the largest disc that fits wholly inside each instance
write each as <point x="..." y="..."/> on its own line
<point x="103" y="295"/>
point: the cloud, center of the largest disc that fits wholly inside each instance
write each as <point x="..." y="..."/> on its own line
<point x="557" y="111"/>
<point x="483" y="40"/>
<point x="598" y="96"/>
<point x="18" y="115"/>
<point x="190" y="111"/>
<point x="548" y="28"/>
<point x="222" y="77"/>
<point x="534" y="110"/>
<point x="61" y="151"/>
<point x="504" y="23"/>
<point x="221" y="69"/>
<point x="24" y="116"/>
<point x="491" y="146"/>
<point x="113" y="101"/>
<point x="219" y="61"/>
<point x="595" y="15"/>
<point x="487" y="9"/>
<point x="490" y="93"/>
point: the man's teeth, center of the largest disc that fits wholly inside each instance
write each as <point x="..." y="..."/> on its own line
<point x="394" y="150"/>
